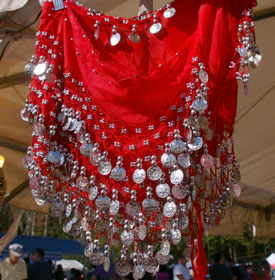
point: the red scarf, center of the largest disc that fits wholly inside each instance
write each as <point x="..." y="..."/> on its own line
<point x="131" y="98"/>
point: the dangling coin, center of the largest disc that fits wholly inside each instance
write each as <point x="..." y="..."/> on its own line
<point x="133" y="37"/>
<point x="115" y="39"/>
<point x="170" y="12"/>
<point x="123" y="268"/>
<point x="139" y="176"/>
<point x="155" y="28"/>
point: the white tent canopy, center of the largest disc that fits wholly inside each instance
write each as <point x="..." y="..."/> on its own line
<point x="271" y="260"/>
<point x="69" y="264"/>
<point x="255" y="129"/>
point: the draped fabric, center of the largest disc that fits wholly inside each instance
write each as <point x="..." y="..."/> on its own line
<point x="129" y="100"/>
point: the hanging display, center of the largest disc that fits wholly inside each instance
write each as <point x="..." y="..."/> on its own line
<point x="133" y="125"/>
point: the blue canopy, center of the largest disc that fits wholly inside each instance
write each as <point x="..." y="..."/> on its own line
<point x="54" y="247"/>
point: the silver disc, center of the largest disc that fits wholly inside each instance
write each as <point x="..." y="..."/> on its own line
<point x="170" y="12"/>
<point x="168" y="160"/>
<point x="118" y="173"/>
<point x="195" y="144"/>
<point x="132" y="208"/>
<point x="40" y="69"/>
<point x="203" y="76"/>
<point x="177" y="146"/>
<point x="169" y="209"/>
<point x="142" y="232"/>
<point x="123" y="268"/>
<point x="134" y="37"/>
<point x="162" y="260"/>
<point x="127" y="237"/>
<point x="179" y="191"/>
<point x="138" y="271"/>
<point x="151" y="264"/>
<point x="103" y="202"/>
<point x="86" y="149"/>
<point x="97" y="258"/>
<point x="165" y="248"/>
<point x="139" y="176"/>
<point x="93" y="191"/>
<point x="162" y="190"/>
<point x="184" y="160"/>
<point x="88" y="250"/>
<point x="115" y="39"/>
<point x="176" y="176"/>
<point x="154" y="173"/>
<point x="175" y="236"/>
<point x="155" y="28"/>
<point x="104" y="167"/>
<point x="114" y="207"/>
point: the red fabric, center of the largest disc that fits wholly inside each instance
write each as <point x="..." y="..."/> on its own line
<point x="133" y="85"/>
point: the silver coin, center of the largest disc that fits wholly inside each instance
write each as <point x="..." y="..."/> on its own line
<point x="155" y="28"/>
<point x="86" y="149"/>
<point x="127" y="237"/>
<point x="24" y="115"/>
<point x="165" y="248"/>
<point x="39" y="129"/>
<point x="168" y="160"/>
<point x="170" y="12"/>
<point x="169" y="209"/>
<point x="82" y="182"/>
<point x="94" y="158"/>
<point x="236" y="190"/>
<point x="67" y="226"/>
<point x="134" y="37"/>
<point x="115" y="39"/>
<point x="79" y="127"/>
<point x="106" y="263"/>
<point x="123" y="268"/>
<point x="40" y="202"/>
<point x="162" y="260"/>
<point x="55" y="157"/>
<point x="154" y="173"/>
<point x="118" y="173"/>
<point x="139" y="176"/>
<point x="88" y="250"/>
<point x="150" y="205"/>
<point x="103" y="202"/>
<point x="104" y="167"/>
<point x="133" y="208"/>
<point x="195" y="144"/>
<point x="243" y="52"/>
<point x="179" y="191"/>
<point x="151" y="264"/>
<point x="138" y="271"/>
<point x="142" y="232"/>
<point x="175" y="236"/>
<point x="40" y="69"/>
<point x="93" y="191"/>
<point x="203" y="76"/>
<point x="177" y="146"/>
<point x="176" y="176"/>
<point x="84" y="224"/>
<point x="114" y="207"/>
<point x="73" y="125"/>
<point x="29" y="69"/>
<point x="68" y="210"/>
<point x="183" y="222"/>
<point x="97" y="258"/>
<point x="200" y="105"/>
<point x="184" y="160"/>
<point x="162" y="190"/>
